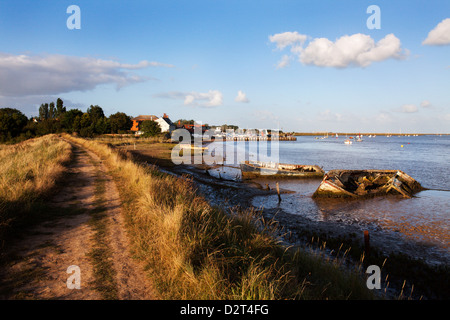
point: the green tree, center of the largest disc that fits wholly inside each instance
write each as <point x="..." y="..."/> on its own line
<point x="120" y="122"/>
<point x="102" y="126"/>
<point x="52" y="111"/>
<point x="76" y="125"/>
<point x="12" y="122"/>
<point x="46" y="126"/>
<point x="95" y="113"/>
<point x="86" y="120"/>
<point x="43" y="111"/>
<point x="87" y="132"/>
<point x="150" y="128"/>
<point x="68" y="120"/>
<point x="87" y="126"/>
<point x="60" y="109"/>
<point x="182" y="122"/>
<point x="98" y="120"/>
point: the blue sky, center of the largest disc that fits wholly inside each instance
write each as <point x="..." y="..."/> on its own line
<point x="297" y="65"/>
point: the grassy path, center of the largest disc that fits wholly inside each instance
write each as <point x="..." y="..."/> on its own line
<point x="85" y="229"/>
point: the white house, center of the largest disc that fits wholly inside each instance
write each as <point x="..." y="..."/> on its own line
<point x="165" y="123"/>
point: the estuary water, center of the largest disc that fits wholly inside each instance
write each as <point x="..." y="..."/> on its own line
<point x="420" y="224"/>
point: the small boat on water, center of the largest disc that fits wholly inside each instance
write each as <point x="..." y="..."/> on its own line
<point x="348" y="141"/>
<point x="366" y="183"/>
<point x="258" y="169"/>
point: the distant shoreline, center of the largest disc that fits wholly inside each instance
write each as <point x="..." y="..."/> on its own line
<point x="366" y="134"/>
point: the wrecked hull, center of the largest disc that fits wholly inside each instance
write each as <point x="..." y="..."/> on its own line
<point x="366" y="183"/>
<point x="253" y="170"/>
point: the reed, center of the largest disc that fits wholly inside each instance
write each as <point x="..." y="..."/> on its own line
<point x="193" y="250"/>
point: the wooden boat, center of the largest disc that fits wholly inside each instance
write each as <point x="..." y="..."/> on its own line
<point x="258" y="169"/>
<point x="192" y="147"/>
<point x="366" y="183"/>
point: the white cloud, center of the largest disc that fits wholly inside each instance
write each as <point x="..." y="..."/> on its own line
<point x="355" y="50"/>
<point x="288" y="39"/>
<point x="384" y="117"/>
<point x="358" y="49"/>
<point x="425" y="104"/>
<point x="266" y="117"/>
<point x="212" y="98"/>
<point x="440" y="35"/>
<point x="23" y="75"/>
<point x="241" y="97"/>
<point x="409" y="108"/>
<point x="328" y="115"/>
<point x="284" y="62"/>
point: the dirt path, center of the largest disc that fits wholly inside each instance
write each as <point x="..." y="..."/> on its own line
<point x="38" y="263"/>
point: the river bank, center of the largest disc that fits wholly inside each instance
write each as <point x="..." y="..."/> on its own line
<point x="405" y="274"/>
<point x="402" y="261"/>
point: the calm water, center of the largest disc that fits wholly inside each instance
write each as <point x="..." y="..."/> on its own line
<point x="423" y="220"/>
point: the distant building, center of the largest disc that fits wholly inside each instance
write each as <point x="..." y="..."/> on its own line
<point x="193" y="128"/>
<point x="164" y="122"/>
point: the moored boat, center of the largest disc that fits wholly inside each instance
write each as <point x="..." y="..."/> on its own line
<point x="258" y="169"/>
<point x="366" y="183"/>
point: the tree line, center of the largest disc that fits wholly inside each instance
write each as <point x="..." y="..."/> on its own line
<point x="55" y="118"/>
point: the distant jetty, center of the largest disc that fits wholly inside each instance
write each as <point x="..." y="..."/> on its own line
<point x="343" y="134"/>
<point x="260" y="138"/>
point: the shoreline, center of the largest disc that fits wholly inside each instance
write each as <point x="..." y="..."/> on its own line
<point x="326" y="237"/>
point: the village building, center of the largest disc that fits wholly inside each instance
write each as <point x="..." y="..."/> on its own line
<point x="164" y="122"/>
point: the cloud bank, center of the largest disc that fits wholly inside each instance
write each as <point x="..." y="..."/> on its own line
<point x="285" y="39"/>
<point x="212" y="98"/>
<point x="440" y="35"/>
<point x="358" y="50"/>
<point x="24" y="75"/>
<point x="409" y="108"/>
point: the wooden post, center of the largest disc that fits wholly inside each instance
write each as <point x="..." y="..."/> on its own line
<point x="366" y="242"/>
<point x="278" y="192"/>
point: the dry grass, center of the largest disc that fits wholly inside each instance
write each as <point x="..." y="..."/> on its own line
<point x="28" y="171"/>
<point x="195" y="251"/>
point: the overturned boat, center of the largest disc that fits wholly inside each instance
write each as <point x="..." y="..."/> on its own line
<point x="258" y="169"/>
<point x="366" y="183"/>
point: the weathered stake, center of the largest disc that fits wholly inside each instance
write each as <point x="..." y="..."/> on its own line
<point x="278" y="192"/>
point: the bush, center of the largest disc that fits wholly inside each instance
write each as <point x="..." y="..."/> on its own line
<point x="12" y="122"/>
<point x="150" y="128"/>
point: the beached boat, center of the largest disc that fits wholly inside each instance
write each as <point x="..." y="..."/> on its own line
<point x="192" y="147"/>
<point x="366" y="183"/>
<point x="258" y="169"/>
